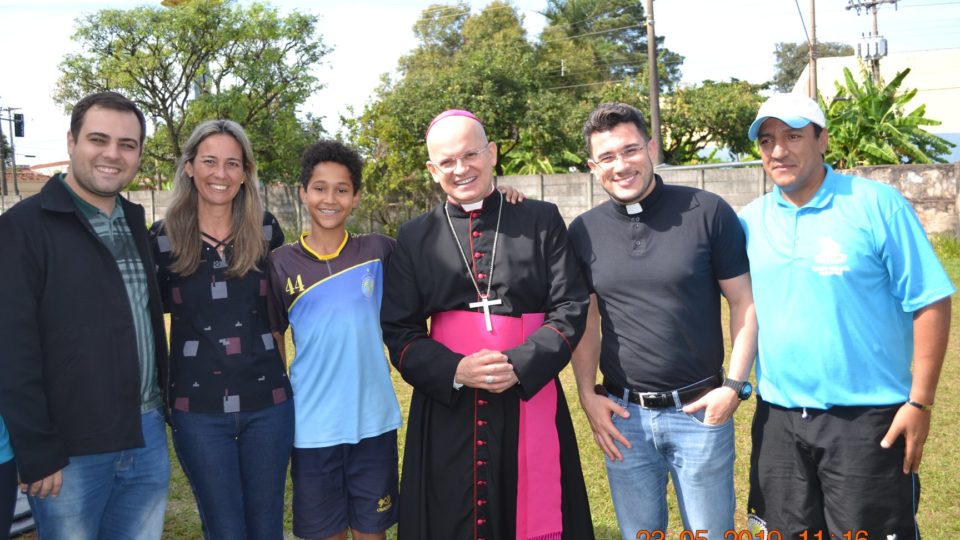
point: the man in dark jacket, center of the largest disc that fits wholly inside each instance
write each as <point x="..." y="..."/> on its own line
<point x="82" y="339"/>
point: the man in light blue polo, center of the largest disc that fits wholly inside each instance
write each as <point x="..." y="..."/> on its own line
<point x="849" y="296"/>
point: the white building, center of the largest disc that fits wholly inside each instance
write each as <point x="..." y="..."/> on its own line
<point x="935" y="74"/>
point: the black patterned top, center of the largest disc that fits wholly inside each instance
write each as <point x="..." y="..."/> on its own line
<point x="223" y="357"/>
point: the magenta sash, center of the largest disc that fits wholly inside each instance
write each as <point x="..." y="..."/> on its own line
<point x="538" y="454"/>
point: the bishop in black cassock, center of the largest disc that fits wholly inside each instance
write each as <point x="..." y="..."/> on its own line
<point x="478" y="462"/>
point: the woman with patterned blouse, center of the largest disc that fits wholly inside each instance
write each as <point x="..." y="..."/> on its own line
<point x="229" y="395"/>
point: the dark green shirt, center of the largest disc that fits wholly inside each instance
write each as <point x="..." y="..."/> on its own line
<point x="114" y="232"/>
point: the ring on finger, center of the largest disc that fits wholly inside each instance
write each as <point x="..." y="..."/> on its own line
<point x="488" y="379"/>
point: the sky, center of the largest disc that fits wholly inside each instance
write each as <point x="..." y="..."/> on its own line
<point x="720" y="39"/>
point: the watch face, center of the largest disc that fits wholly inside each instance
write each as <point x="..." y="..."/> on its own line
<point x="746" y="391"/>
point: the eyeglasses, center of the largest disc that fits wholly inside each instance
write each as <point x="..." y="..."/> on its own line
<point x="628" y="153"/>
<point x="470" y="157"/>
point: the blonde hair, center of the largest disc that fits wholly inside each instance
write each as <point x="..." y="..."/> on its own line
<point x="183" y="226"/>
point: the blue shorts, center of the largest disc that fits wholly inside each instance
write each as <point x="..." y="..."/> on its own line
<point x="347" y="485"/>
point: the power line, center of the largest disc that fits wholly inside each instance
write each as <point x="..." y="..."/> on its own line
<point x="571" y="24"/>
<point x="802" y="22"/>
<point x="588" y="84"/>
<point x="587" y="34"/>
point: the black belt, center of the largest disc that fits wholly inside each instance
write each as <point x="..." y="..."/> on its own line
<point x="663" y="400"/>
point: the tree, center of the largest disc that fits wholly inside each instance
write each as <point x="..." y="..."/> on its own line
<point x="710" y="114"/>
<point x="791" y="58"/>
<point x="869" y="125"/>
<point x="6" y="153"/>
<point x="201" y="60"/>
<point x="587" y="42"/>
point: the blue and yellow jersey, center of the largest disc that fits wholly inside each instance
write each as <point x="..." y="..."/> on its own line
<point x="340" y="375"/>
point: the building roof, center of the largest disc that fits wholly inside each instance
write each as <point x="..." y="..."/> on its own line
<point x="38" y="166"/>
<point x="25" y="175"/>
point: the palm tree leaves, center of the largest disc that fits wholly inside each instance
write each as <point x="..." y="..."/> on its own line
<point x="869" y="125"/>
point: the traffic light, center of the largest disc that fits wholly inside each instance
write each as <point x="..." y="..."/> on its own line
<point x="18" y="125"/>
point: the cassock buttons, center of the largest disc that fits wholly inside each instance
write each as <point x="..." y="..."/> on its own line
<point x="481" y="502"/>
<point x="481" y="423"/>
<point x="477" y="254"/>
<point x="481" y="442"/>
<point x="481" y="463"/>
<point x="481" y="521"/>
<point x="481" y="483"/>
<point x="481" y="276"/>
<point x="474" y="214"/>
<point x="477" y="234"/>
<point x="481" y="402"/>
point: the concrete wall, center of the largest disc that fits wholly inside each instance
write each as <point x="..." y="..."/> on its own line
<point x="934" y="191"/>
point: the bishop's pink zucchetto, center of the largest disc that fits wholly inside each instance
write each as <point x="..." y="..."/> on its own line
<point x="447" y="114"/>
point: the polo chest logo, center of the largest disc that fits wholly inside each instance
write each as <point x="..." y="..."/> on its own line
<point x="830" y="259"/>
<point x="368" y="285"/>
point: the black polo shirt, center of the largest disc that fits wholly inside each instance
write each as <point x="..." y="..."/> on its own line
<point x="655" y="274"/>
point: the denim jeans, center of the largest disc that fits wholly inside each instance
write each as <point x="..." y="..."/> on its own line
<point x="116" y="495"/>
<point x="237" y="466"/>
<point x="699" y="459"/>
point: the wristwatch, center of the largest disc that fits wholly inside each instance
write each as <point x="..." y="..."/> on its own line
<point x="743" y="388"/>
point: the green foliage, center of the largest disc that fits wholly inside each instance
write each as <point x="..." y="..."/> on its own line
<point x="589" y="41"/>
<point x="6" y="153"/>
<point x="791" y="58"/>
<point x="869" y="125"/>
<point x="710" y="114"/>
<point x="203" y="59"/>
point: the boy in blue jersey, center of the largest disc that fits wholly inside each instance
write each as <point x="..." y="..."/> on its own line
<point x="328" y="287"/>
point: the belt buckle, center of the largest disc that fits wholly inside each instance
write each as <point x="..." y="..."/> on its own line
<point x="645" y="396"/>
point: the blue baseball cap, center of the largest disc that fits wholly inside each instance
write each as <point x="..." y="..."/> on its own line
<point x="794" y="110"/>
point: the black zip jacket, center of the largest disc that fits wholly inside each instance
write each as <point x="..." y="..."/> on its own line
<point x="69" y="369"/>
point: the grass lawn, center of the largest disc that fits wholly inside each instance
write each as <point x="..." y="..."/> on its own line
<point x="939" y="513"/>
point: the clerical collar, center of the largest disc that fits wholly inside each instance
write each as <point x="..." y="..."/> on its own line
<point x="489" y="202"/>
<point x="644" y="205"/>
<point x="473" y="206"/>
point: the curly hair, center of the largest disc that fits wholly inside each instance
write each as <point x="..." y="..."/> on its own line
<point x="333" y="152"/>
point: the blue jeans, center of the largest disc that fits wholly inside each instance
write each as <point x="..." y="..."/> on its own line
<point x="699" y="459"/>
<point x="237" y="466"/>
<point x="117" y="495"/>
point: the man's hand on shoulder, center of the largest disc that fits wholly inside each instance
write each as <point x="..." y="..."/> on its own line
<point x="600" y="411"/>
<point x="512" y="194"/>
<point x="49" y="486"/>
<point x="720" y="404"/>
<point x="914" y="424"/>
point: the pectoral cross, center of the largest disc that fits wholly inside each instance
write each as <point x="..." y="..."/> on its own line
<point x="485" y="303"/>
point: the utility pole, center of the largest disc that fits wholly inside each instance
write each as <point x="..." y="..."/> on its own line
<point x="654" y="83"/>
<point x="13" y="151"/>
<point x="871" y="48"/>
<point x="812" y="79"/>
